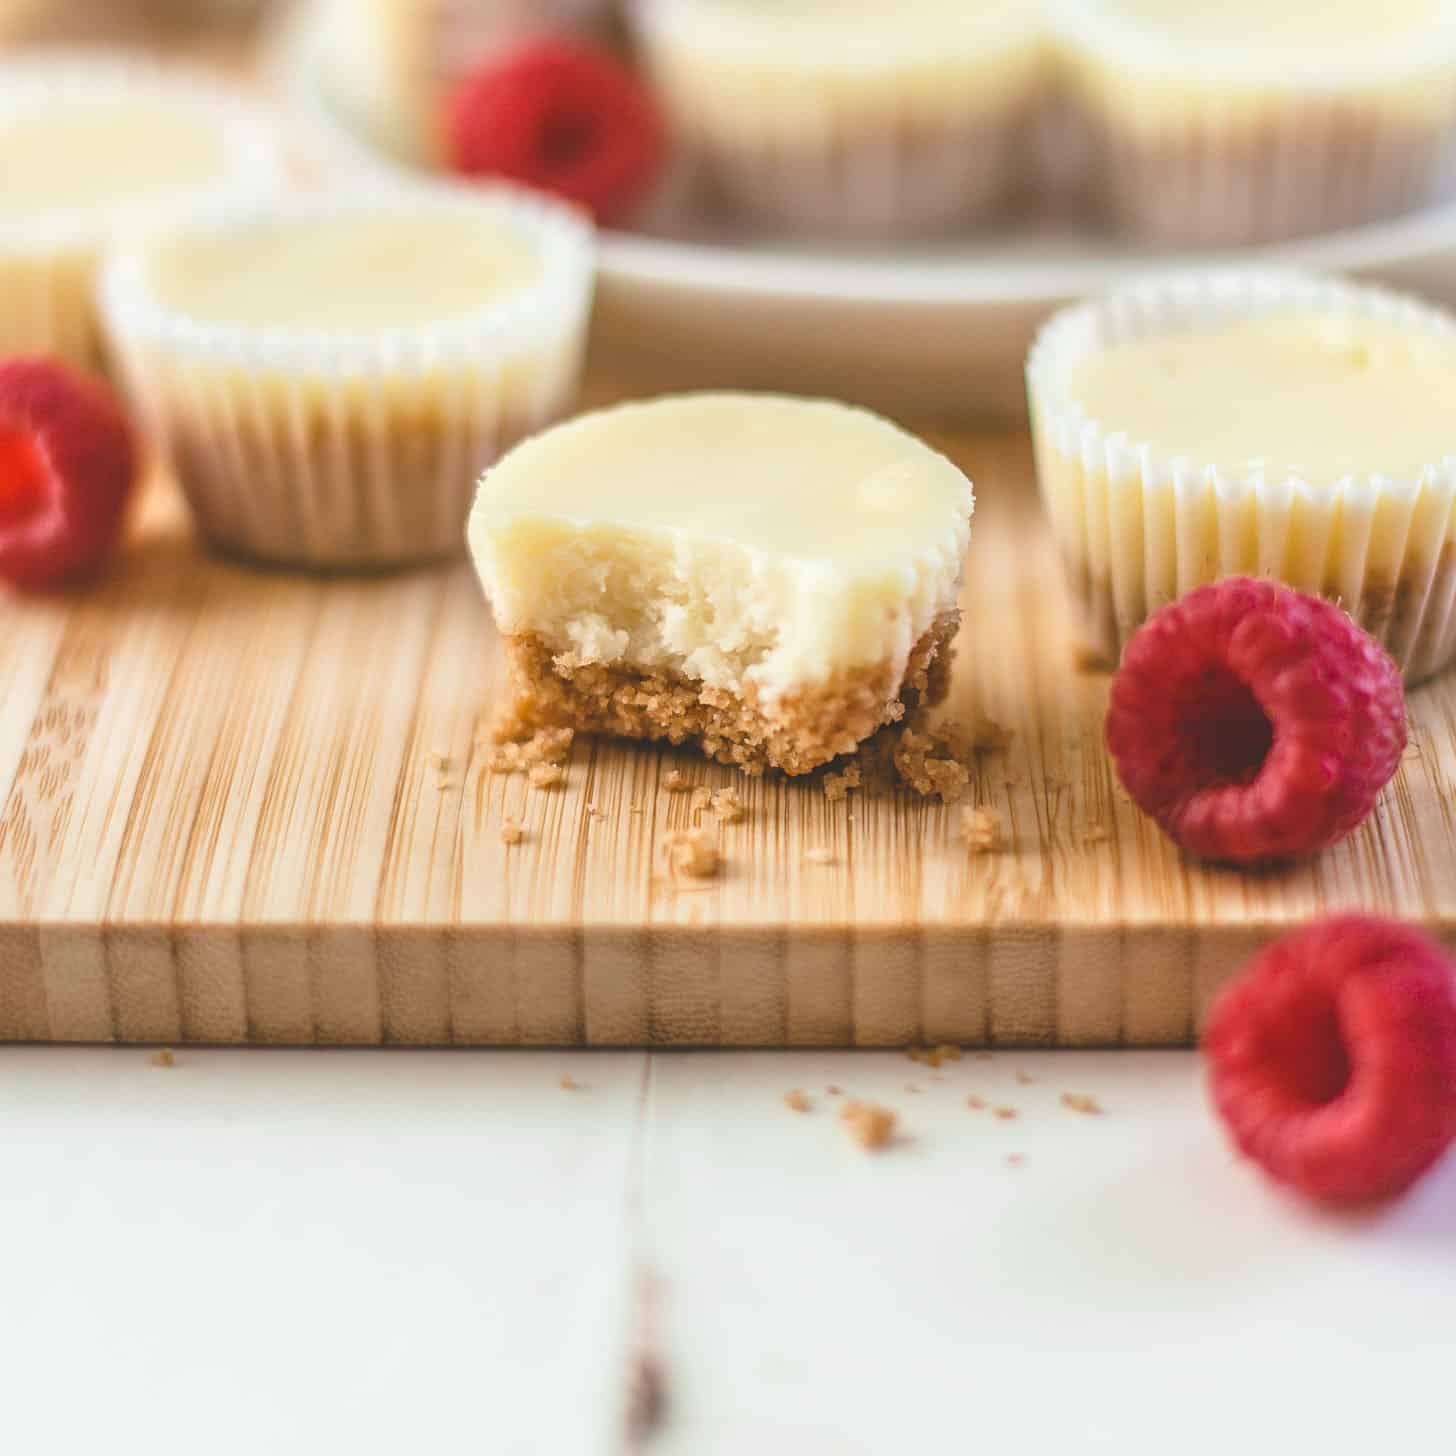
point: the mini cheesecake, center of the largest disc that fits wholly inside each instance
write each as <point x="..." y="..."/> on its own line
<point x="771" y="579"/>
<point x="1254" y="424"/>
<point x="1220" y="123"/>
<point x="391" y="63"/>
<point x="849" y="117"/>
<point x="330" y="376"/>
<point x="90" y="149"/>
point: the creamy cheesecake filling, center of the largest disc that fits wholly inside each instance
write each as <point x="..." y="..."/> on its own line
<point x="1147" y="62"/>
<point x="346" y="273"/>
<point x="753" y="544"/>
<point x="1303" y="394"/>
<point x="91" y="160"/>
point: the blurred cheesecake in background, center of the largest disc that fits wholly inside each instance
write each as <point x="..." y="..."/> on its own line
<point x="91" y="149"/>
<point x="850" y="116"/>
<point x="391" y="63"/>
<point x="92" y="22"/>
<point x="1221" y="123"/>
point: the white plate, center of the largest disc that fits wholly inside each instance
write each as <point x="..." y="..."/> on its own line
<point x="939" y="330"/>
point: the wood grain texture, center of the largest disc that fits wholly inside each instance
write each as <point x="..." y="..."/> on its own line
<point x="222" y="819"/>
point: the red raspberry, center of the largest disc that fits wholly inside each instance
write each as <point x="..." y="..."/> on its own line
<point x="67" y="467"/>
<point x="560" y="116"/>
<point x="1333" y="1058"/>
<point x="1254" y="723"/>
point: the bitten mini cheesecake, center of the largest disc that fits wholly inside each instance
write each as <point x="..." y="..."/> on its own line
<point x="90" y="148"/>
<point x="330" y="376"/>
<point x="849" y="116"/>
<point x="771" y="579"/>
<point x="1235" y="122"/>
<point x="1254" y="424"/>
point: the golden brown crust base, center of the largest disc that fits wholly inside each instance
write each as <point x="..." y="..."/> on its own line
<point x="802" y="733"/>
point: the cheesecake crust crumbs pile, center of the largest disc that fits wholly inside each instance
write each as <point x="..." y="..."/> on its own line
<point x="692" y="852"/>
<point x="869" y="1124"/>
<point x="837" y="786"/>
<point x="522" y="748"/>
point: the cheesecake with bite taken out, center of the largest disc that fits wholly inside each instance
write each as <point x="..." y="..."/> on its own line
<point x="770" y="579"/>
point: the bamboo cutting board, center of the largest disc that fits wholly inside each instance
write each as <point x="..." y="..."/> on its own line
<point x="225" y="820"/>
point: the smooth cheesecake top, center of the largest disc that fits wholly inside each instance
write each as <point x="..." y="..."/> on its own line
<point x="730" y="538"/>
<point x="1295" y="26"/>
<point x="811" y="480"/>
<point x="1312" y="395"/>
<point x="90" y="158"/>
<point x="345" y="274"/>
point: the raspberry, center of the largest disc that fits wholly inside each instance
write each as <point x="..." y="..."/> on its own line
<point x="1254" y="723"/>
<point x="562" y="117"/>
<point x="1333" y="1058"/>
<point x="67" y="468"/>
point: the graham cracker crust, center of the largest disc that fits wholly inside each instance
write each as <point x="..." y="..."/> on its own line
<point x="798" y="734"/>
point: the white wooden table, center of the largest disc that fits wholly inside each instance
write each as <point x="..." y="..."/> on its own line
<point x="388" y="1252"/>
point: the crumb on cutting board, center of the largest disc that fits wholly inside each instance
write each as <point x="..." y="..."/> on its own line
<point x="511" y="832"/>
<point x="702" y="799"/>
<point x="1005" y="1113"/>
<point x="1081" y="1102"/>
<point x="546" y="775"/>
<point x="934" y="1056"/>
<point x="981" y="830"/>
<point x="797" y="1101"/>
<point x="692" y="852"/>
<point x="568" y="1083"/>
<point x="869" y="1124"/>
<point x="728" y="806"/>
<point x="675" y="781"/>
<point x="163" y="1057"/>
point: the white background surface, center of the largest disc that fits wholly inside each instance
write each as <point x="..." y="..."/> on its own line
<point x="414" y="1252"/>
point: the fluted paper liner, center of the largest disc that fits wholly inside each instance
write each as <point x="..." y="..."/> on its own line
<point x="316" y="449"/>
<point x="1137" y="529"/>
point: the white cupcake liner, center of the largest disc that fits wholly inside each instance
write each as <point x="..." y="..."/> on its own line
<point x="339" y="451"/>
<point x="1137" y="529"/>
<point x="48" y="260"/>
<point x="1253" y="150"/>
<point x="840" y="139"/>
